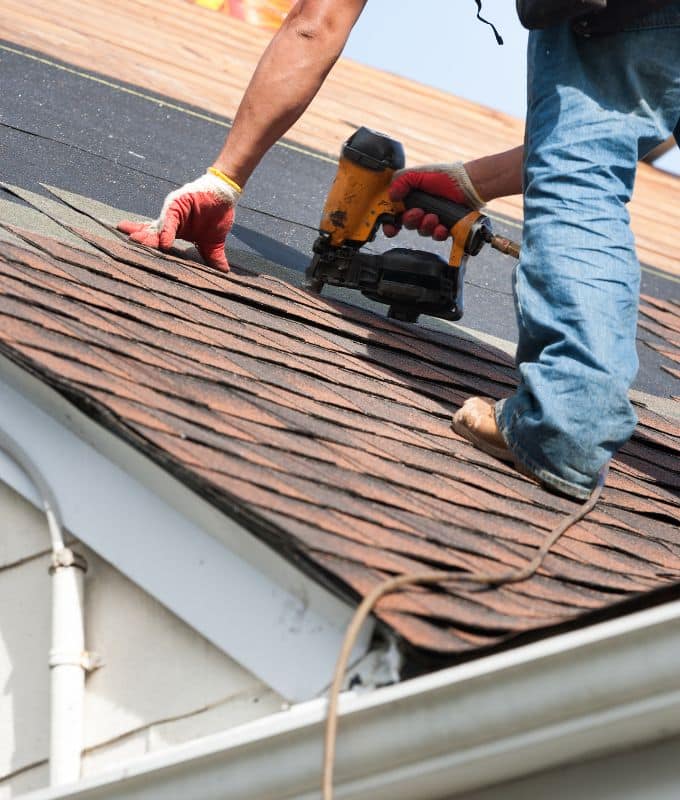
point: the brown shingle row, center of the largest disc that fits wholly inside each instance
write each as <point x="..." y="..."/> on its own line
<point x="666" y="325"/>
<point x="443" y="488"/>
<point x="215" y="318"/>
<point x="658" y="330"/>
<point x="664" y="315"/>
<point x="326" y="430"/>
<point x="333" y="315"/>
<point x="200" y="277"/>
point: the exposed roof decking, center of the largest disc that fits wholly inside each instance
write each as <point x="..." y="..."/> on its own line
<point x="186" y="59"/>
<point x="326" y="428"/>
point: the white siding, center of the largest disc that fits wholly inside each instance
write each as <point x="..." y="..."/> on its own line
<point x="24" y="647"/>
<point x="23" y="531"/>
<point x="162" y="683"/>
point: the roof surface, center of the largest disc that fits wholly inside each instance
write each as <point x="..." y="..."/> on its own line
<point x="325" y="429"/>
<point x="206" y="59"/>
<point x="322" y="427"/>
<point x="65" y="127"/>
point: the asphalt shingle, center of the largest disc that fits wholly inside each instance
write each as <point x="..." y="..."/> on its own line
<point x="325" y="429"/>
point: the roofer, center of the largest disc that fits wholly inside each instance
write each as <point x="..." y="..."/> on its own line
<point x="290" y="73"/>
<point x="604" y="89"/>
<point x="602" y="92"/>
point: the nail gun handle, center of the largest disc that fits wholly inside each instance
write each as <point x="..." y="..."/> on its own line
<point x="449" y="213"/>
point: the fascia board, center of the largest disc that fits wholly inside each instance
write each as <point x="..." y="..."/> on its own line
<point x="609" y="687"/>
<point x="206" y="568"/>
<point x="586" y="694"/>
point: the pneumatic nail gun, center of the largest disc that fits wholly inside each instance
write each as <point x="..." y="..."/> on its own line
<point x="410" y="282"/>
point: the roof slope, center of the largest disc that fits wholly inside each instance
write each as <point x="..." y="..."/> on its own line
<point x="325" y="429"/>
<point x="187" y="59"/>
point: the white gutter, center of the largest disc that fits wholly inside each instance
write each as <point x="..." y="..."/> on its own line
<point x="67" y="658"/>
<point x="610" y="687"/>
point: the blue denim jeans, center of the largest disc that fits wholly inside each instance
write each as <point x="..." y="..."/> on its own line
<point x="594" y="107"/>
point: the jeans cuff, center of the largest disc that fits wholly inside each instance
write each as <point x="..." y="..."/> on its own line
<point x="543" y="475"/>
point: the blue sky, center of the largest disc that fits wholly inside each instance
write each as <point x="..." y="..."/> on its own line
<point x="442" y="44"/>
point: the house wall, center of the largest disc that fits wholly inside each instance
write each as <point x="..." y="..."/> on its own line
<point x="161" y="683"/>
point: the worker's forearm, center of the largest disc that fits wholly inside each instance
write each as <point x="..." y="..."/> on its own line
<point x="498" y="175"/>
<point x="289" y="75"/>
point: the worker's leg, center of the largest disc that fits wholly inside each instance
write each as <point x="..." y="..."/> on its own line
<point x="595" y="106"/>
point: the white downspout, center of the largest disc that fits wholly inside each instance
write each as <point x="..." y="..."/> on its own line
<point x="68" y="659"/>
<point x="67" y="666"/>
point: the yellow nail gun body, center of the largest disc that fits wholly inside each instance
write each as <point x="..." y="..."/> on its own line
<point x="411" y="282"/>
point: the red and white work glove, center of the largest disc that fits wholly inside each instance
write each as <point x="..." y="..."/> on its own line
<point x="450" y="181"/>
<point x="201" y="212"/>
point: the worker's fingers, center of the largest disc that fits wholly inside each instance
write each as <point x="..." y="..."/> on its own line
<point x="433" y="228"/>
<point x="412" y="218"/>
<point x="431" y="180"/>
<point x="130" y="226"/>
<point x="427" y="225"/>
<point x="214" y="256"/>
<point x="440" y="233"/>
<point x="403" y="184"/>
<point x="146" y="235"/>
<point x="170" y="225"/>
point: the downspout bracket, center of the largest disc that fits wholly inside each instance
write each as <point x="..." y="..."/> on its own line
<point x="87" y="660"/>
<point x="65" y="558"/>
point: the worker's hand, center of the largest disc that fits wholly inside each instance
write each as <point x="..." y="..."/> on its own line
<point x="450" y="181"/>
<point x="201" y="212"/>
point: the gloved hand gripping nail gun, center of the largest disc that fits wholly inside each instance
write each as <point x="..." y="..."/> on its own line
<point x="410" y="282"/>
